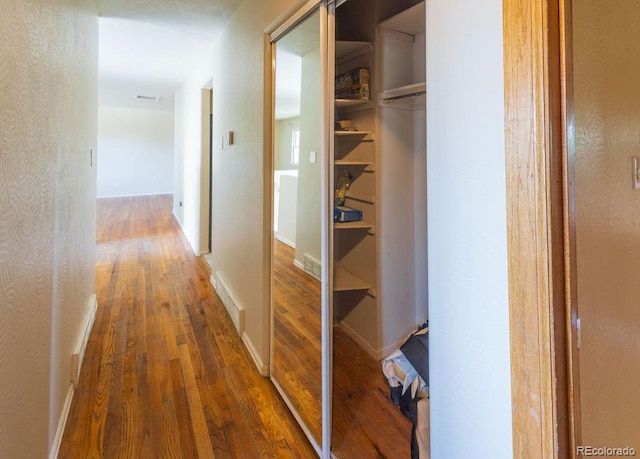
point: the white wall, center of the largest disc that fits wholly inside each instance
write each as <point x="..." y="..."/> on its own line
<point x="48" y="115"/>
<point x="607" y="110"/>
<point x="308" y="234"/>
<point x="282" y="143"/>
<point x="135" y="151"/>
<point x="467" y="246"/>
<point x="235" y="61"/>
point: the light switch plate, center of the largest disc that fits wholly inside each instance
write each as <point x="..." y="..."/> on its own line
<point x="312" y="157"/>
<point x="636" y="172"/>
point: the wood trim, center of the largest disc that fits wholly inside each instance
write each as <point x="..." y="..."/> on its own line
<point x="569" y="220"/>
<point x="267" y="194"/>
<point x="538" y="228"/>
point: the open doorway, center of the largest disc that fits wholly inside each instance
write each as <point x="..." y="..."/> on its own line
<point x="206" y="171"/>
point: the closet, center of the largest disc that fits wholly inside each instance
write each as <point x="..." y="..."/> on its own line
<point x="380" y="262"/>
<point x="376" y="248"/>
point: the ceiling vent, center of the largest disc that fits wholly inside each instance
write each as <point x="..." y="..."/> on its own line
<point x="141" y="97"/>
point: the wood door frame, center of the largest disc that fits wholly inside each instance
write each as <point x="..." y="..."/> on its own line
<point x="541" y="227"/>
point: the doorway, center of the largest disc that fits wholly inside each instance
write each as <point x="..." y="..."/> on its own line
<point x="206" y="202"/>
<point x="570" y="110"/>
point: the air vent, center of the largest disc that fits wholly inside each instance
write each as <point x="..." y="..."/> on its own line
<point x="141" y="97"/>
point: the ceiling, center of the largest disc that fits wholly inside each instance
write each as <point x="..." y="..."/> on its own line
<point x="148" y="47"/>
<point x="290" y="49"/>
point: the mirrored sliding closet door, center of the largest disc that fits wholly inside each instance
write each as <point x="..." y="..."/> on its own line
<point x="300" y="223"/>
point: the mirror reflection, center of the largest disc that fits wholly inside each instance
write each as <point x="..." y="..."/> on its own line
<point x="296" y="275"/>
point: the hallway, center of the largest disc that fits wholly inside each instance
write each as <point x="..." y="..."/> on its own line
<point x="165" y="373"/>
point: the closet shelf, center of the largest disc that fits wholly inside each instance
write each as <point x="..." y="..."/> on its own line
<point x="367" y="166"/>
<point x="365" y="199"/>
<point x="404" y="92"/>
<point x="348" y="50"/>
<point x="348" y="103"/>
<point x="353" y="135"/>
<point x="354" y="225"/>
<point x="344" y="281"/>
<point x="410" y="21"/>
<point x="409" y="97"/>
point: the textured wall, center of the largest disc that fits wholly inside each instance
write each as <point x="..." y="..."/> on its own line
<point x="48" y="64"/>
<point x="309" y="213"/>
<point x="237" y="69"/>
<point x="135" y="151"/>
<point x="282" y="143"/>
<point x="607" y="120"/>
<point x="469" y="347"/>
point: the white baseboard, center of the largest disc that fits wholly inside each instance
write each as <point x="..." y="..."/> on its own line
<point x="387" y="350"/>
<point x="262" y="367"/>
<point x="163" y="193"/>
<point x="193" y="247"/>
<point x="237" y="316"/>
<point x="81" y="341"/>
<point x="76" y="365"/>
<point x="302" y="267"/>
<point x="231" y="304"/>
<point x="284" y="240"/>
<point x="55" y="448"/>
<point x="377" y="354"/>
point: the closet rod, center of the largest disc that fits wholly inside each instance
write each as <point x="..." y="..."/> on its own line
<point x="404" y="96"/>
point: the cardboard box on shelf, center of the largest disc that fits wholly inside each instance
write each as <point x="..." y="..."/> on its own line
<point x="357" y="91"/>
<point x="359" y="75"/>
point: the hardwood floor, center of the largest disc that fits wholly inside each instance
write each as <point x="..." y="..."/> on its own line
<point x="165" y="373"/>
<point x="297" y="364"/>
<point x="366" y="424"/>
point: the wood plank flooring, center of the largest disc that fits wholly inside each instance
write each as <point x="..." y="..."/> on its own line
<point x="366" y="424"/>
<point x="165" y="373"/>
<point x="297" y="354"/>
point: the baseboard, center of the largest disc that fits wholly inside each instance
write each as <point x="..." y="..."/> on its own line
<point x="134" y="195"/>
<point x="262" y="367"/>
<point x="193" y="248"/>
<point x="55" y="447"/>
<point x="76" y="365"/>
<point x="377" y="354"/>
<point x="302" y="267"/>
<point x="298" y="264"/>
<point x="81" y="341"/>
<point x="236" y="313"/>
<point x="231" y="304"/>
<point x="284" y="240"/>
<point x="388" y="350"/>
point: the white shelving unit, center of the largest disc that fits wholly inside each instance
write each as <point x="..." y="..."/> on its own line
<point x="388" y="184"/>
<point x="348" y="50"/>
<point x="366" y="166"/>
<point x="403" y="40"/>
<point x="354" y="225"/>
<point x="355" y="243"/>
<point x="401" y="171"/>
<point x="410" y="21"/>
<point x="362" y="104"/>
<point x="344" y="281"/>
<point x="355" y="135"/>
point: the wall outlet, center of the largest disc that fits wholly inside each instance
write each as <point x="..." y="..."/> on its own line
<point x="636" y="172"/>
